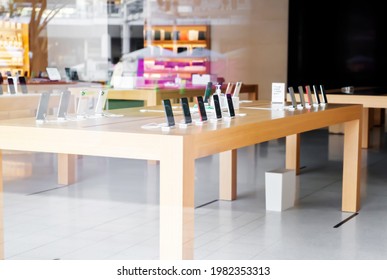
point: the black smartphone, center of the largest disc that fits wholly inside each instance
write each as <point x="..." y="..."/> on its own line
<point x="218" y="110"/>
<point x="292" y="97"/>
<point x="201" y="108"/>
<point x="187" y="113"/>
<point x="68" y="73"/>
<point x="74" y="75"/>
<point x="11" y="86"/>
<point x="315" y="91"/>
<point x="168" y="112"/>
<point x="1" y="83"/>
<point x="230" y="105"/>
<point x="207" y="92"/>
<point x="323" y="94"/>
<point x="23" y="84"/>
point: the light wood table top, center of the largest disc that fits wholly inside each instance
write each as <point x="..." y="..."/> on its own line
<point x="178" y="148"/>
<point x="54" y="87"/>
<point x="368" y="101"/>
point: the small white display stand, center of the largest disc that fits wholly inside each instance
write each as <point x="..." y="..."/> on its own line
<point x="280" y="189"/>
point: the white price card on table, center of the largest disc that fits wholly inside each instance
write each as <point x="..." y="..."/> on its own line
<point x="278" y="93"/>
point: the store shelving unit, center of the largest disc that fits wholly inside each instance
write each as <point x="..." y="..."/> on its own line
<point x="14" y="48"/>
<point x="181" y="41"/>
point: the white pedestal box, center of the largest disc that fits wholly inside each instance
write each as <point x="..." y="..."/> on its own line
<point x="280" y="189"/>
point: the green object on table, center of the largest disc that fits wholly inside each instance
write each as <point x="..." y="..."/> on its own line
<point x="119" y="104"/>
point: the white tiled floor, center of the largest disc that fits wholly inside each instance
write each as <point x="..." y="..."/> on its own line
<point x="112" y="212"/>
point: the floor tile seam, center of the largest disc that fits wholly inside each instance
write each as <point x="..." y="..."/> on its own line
<point x="323" y="188"/>
<point x="126" y="248"/>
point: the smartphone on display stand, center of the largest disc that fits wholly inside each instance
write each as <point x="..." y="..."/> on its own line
<point x="323" y="94"/>
<point x="218" y="109"/>
<point x="101" y="101"/>
<point x="292" y="97"/>
<point x="11" y="86"/>
<point x="1" y="84"/>
<point x="83" y="104"/>
<point x="207" y="92"/>
<point x="201" y="108"/>
<point x="42" y="107"/>
<point x="63" y="104"/>
<point x="315" y="91"/>
<point x="309" y="95"/>
<point x="301" y="93"/>
<point x="186" y="112"/>
<point x="23" y="84"/>
<point x="237" y="89"/>
<point x="68" y="73"/>
<point x="230" y="106"/>
<point x="168" y="112"/>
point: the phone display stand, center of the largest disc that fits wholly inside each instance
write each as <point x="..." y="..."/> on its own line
<point x="41" y="111"/>
<point x="235" y="101"/>
<point x="184" y="125"/>
<point x="223" y="102"/>
<point x="100" y="104"/>
<point x="198" y="122"/>
<point x="91" y="106"/>
<point x="215" y="120"/>
<point x="290" y="108"/>
<point x="63" y="106"/>
<point x="165" y="127"/>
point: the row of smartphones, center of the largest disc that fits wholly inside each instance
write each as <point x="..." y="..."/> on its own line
<point x="64" y="102"/>
<point x="308" y="92"/>
<point x="237" y="89"/>
<point x="201" y="109"/>
<point x="11" y="86"/>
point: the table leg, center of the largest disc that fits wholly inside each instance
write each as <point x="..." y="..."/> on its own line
<point x="293" y="152"/>
<point x="377" y="117"/>
<point x="1" y="208"/>
<point x="177" y="178"/>
<point x="66" y="169"/>
<point x="365" y="129"/>
<point x="228" y="175"/>
<point x="351" y="166"/>
<point x="152" y="99"/>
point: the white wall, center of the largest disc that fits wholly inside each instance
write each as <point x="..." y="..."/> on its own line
<point x="256" y="49"/>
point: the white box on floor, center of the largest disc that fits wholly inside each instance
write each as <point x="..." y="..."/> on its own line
<point x="280" y="189"/>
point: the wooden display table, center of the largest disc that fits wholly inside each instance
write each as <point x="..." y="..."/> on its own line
<point x="368" y="101"/>
<point x="25" y="105"/>
<point x="153" y="97"/>
<point x="178" y="148"/>
<point x="53" y="87"/>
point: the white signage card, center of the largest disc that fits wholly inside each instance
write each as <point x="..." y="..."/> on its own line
<point x="278" y="93"/>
